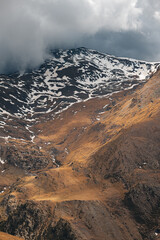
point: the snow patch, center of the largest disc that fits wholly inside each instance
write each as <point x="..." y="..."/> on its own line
<point x="2" y="161"/>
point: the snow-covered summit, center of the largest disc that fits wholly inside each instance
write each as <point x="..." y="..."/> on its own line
<point x="66" y="77"/>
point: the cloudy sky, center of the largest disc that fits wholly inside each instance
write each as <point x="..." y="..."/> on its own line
<point x="29" y="28"/>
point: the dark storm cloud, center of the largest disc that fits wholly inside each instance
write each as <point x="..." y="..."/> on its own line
<point x="124" y="44"/>
<point x="28" y="29"/>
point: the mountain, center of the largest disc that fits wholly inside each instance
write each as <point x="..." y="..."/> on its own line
<point x="68" y="77"/>
<point x="80" y="147"/>
<point x="65" y="78"/>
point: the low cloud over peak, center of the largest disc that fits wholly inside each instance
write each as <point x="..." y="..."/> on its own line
<point x="28" y="29"/>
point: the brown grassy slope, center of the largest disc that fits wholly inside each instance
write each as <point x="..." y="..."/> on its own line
<point x="5" y="236"/>
<point x="137" y="143"/>
<point x="77" y="136"/>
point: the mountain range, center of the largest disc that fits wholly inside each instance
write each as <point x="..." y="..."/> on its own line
<point x="79" y="149"/>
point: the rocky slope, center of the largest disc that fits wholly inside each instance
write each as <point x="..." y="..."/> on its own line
<point x="90" y="171"/>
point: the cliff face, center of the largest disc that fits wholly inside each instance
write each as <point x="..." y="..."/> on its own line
<point x="91" y="173"/>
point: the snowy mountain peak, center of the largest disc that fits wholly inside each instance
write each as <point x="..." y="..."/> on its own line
<point x="67" y="77"/>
